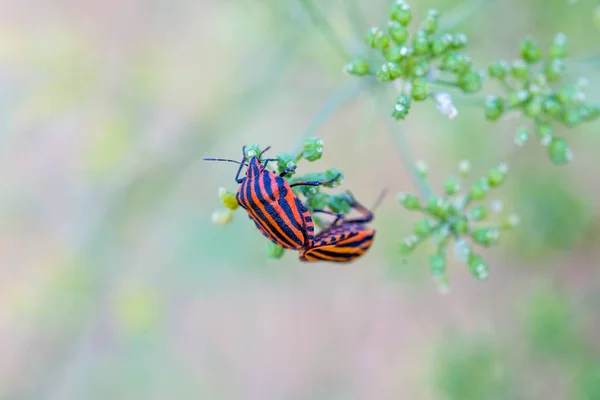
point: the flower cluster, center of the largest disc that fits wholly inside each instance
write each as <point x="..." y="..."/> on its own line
<point x="533" y="88"/>
<point x="312" y="196"/>
<point x="456" y="217"/>
<point x="419" y="60"/>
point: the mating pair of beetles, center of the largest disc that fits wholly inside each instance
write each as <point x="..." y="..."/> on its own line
<point x="282" y="218"/>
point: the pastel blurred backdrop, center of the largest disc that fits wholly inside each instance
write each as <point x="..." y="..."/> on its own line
<point x="115" y="284"/>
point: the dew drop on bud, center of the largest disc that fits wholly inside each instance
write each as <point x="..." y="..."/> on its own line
<point x="464" y="167"/>
<point x="521" y="136"/>
<point x="496" y="206"/>
<point x="546" y="140"/>
<point x="514" y="220"/>
<point x="422" y="168"/>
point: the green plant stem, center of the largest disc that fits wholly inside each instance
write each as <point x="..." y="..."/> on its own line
<point x="319" y="20"/>
<point x="405" y="153"/>
<point x="446" y="83"/>
<point x="334" y="103"/>
<point x="465" y="11"/>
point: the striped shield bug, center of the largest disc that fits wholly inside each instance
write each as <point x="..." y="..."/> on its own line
<point x="344" y="240"/>
<point x="269" y="201"/>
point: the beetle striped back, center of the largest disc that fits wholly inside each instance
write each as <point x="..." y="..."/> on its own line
<point x="278" y="214"/>
<point x="345" y="239"/>
<point x="269" y="201"/>
<point x="342" y="243"/>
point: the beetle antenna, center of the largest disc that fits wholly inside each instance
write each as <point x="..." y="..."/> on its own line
<point x="262" y="152"/>
<point x="223" y="159"/>
<point x="379" y="200"/>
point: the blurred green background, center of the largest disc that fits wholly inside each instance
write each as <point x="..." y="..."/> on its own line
<point x="116" y="284"/>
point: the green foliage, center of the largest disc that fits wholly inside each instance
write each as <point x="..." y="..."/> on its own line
<point x="472" y="370"/>
<point x="551" y="327"/>
<point x="586" y="385"/>
<point x="555" y="217"/>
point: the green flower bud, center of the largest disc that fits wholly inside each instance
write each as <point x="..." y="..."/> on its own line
<point x="439" y="207"/>
<point x="479" y="189"/>
<point x="558" y="48"/>
<point x="534" y="107"/>
<point x="517" y="98"/>
<point x="495" y="176"/>
<point x="402" y="107"/>
<point x="228" y="199"/>
<point x="544" y="132"/>
<point x="493" y="108"/>
<point x="459" y="41"/>
<point x="430" y="23"/>
<point x="274" y="251"/>
<point x="539" y="85"/>
<point x="554" y="69"/>
<point x="420" y="89"/>
<point x="559" y="151"/>
<point x="499" y="69"/>
<point x="460" y="226"/>
<point x="457" y="63"/>
<point x="252" y="150"/>
<point x="388" y="72"/>
<point x="332" y="173"/>
<point x="409" y="244"/>
<point x="423" y="227"/>
<point x="569" y="95"/>
<point x="400" y="12"/>
<point x="470" y="82"/>
<point x="519" y="69"/>
<point x="451" y="62"/>
<point x="592" y="112"/>
<point x="551" y="107"/>
<point x="441" y="44"/>
<point x="451" y="186"/>
<point x="222" y="217"/>
<point x="512" y="221"/>
<point x="464" y="167"/>
<point x="437" y="265"/>
<point x="339" y="203"/>
<point x="397" y="53"/>
<point x="465" y="64"/>
<point x="571" y="116"/>
<point x="478" y="213"/>
<point x="285" y="161"/>
<point x="478" y="267"/>
<point x="420" y="43"/>
<point x="409" y="201"/>
<point x="313" y="148"/>
<point x="486" y="236"/>
<point x="420" y="69"/>
<point x="318" y="201"/>
<point x="530" y="51"/>
<point x="357" y="67"/>
<point x="398" y="32"/>
<point x="521" y="136"/>
<point x="377" y="38"/>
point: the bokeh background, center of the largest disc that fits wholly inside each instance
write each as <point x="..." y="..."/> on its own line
<point x="114" y="282"/>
